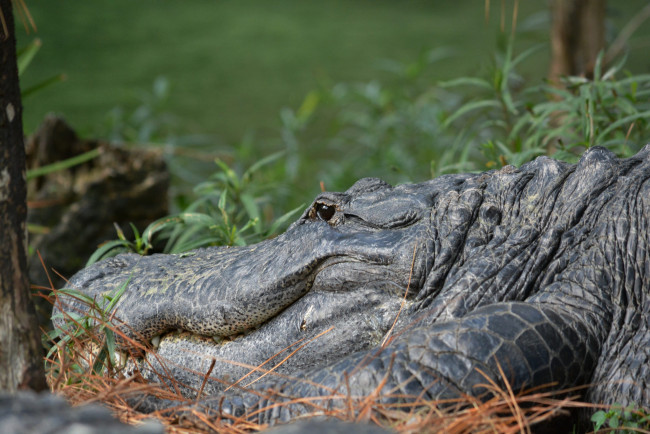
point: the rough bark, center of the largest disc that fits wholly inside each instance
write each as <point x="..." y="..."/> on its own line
<point x="577" y="36"/>
<point x="20" y="345"/>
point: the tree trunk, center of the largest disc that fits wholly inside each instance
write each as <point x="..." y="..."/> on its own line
<point x="21" y="353"/>
<point x="577" y="36"/>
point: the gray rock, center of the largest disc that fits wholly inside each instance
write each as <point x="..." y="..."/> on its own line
<point x="27" y="412"/>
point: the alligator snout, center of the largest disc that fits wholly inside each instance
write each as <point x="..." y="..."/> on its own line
<point x="221" y="292"/>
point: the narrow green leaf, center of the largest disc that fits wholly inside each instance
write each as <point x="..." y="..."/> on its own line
<point x="24" y="93"/>
<point x="611" y="72"/>
<point x="38" y="229"/>
<point x="230" y="174"/>
<point x="264" y="162"/>
<point x="640" y="78"/>
<point x="471" y="106"/>
<point x="308" y="106"/>
<point x="185" y="248"/>
<point x="249" y="224"/>
<point x="118" y="294"/>
<point x="197" y="218"/>
<point x="626" y="121"/>
<point x="598" y="66"/>
<point x="108" y="249"/>
<point x="467" y="81"/>
<point x="110" y="344"/>
<point x="26" y="55"/>
<point x="508" y="101"/>
<point x="76" y="294"/>
<point x="99" y="364"/>
<point x="120" y="233"/>
<point x="278" y="223"/>
<point x="222" y="201"/>
<point x="251" y="208"/>
<point x="136" y="233"/>
<point x="158" y="226"/>
<point x="65" y="339"/>
<point x="527" y="53"/>
<point x="63" y="164"/>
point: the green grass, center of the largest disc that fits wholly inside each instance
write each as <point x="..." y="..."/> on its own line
<point x="234" y="64"/>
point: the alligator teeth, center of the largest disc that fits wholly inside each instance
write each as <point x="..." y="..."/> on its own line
<point x="155" y="341"/>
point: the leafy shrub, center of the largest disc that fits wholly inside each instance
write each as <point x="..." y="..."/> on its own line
<point x="229" y="211"/>
<point x="412" y="128"/>
<point x="512" y="123"/>
<point x="391" y="130"/>
<point x="625" y="420"/>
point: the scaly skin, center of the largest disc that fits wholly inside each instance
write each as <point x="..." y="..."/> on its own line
<point x="540" y="272"/>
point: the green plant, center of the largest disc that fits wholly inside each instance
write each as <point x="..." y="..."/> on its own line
<point x="389" y="129"/>
<point x="610" y="110"/>
<point x="95" y="321"/>
<point x="121" y="245"/>
<point x="230" y="210"/>
<point x="625" y="420"/>
<point x="147" y="122"/>
<point x="513" y="122"/>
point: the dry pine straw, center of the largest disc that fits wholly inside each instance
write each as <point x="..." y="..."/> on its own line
<point x="505" y="412"/>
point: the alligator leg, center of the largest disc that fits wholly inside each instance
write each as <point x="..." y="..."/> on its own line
<point x="527" y="345"/>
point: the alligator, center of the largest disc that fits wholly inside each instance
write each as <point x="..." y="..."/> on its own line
<point x="528" y="277"/>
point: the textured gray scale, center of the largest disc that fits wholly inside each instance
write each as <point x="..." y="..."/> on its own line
<point x="540" y="272"/>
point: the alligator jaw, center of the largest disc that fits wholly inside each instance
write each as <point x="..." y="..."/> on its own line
<point x="330" y="323"/>
<point x="331" y="264"/>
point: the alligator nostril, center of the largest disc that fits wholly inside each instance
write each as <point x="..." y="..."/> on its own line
<point x="325" y="212"/>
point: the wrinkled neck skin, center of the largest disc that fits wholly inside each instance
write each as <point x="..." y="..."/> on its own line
<point x="338" y="279"/>
<point x="506" y="235"/>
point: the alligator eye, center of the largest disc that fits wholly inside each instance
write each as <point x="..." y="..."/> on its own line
<point x="325" y="212"/>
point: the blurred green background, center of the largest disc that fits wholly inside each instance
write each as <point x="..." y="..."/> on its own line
<point x="230" y="68"/>
<point x="233" y="65"/>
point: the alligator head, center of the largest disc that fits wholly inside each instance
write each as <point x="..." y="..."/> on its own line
<point x="346" y="266"/>
<point x="537" y="274"/>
